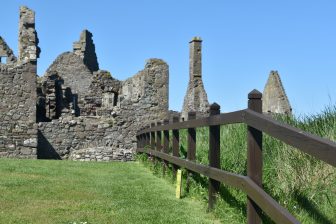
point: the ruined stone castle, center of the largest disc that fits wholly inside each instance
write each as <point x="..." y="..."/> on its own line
<point x="75" y="111"/>
<point x="78" y="111"/>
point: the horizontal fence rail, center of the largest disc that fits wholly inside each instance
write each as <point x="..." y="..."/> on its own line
<point x="149" y="141"/>
<point x="220" y="119"/>
<point x="313" y="145"/>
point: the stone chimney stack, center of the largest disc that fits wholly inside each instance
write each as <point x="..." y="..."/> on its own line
<point x="28" y="40"/>
<point x="195" y="58"/>
<point x="196" y="98"/>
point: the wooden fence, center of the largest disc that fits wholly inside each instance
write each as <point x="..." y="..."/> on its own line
<point x="257" y="123"/>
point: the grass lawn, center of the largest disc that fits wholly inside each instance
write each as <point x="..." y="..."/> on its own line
<point x="42" y="191"/>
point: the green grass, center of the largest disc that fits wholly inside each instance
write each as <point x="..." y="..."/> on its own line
<point x="41" y="191"/>
<point x="300" y="183"/>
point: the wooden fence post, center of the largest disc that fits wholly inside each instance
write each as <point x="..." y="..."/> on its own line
<point x="152" y="138"/>
<point x="147" y="136"/>
<point x="158" y="138"/>
<point x="152" y="141"/>
<point x="254" y="157"/>
<point x="191" y="153"/>
<point x="214" y="155"/>
<point x="138" y="141"/>
<point x="176" y="144"/>
<point x="141" y="141"/>
<point x="165" y="145"/>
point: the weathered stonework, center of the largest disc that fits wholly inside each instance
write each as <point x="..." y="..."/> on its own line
<point x="85" y="49"/>
<point x="275" y="100"/>
<point x="28" y="40"/>
<point x="76" y="111"/>
<point x="110" y="133"/>
<point x="18" y="132"/>
<point x="196" y="98"/>
<point x="5" y="51"/>
<point x="73" y="71"/>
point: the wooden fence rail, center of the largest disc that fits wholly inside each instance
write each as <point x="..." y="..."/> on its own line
<point x="257" y="124"/>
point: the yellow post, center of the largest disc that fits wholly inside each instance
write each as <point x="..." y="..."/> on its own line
<point x="178" y="183"/>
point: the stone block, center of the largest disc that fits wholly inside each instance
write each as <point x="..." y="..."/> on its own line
<point x="26" y="151"/>
<point x="31" y="142"/>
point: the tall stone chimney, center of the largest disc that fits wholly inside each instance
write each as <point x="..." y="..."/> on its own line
<point x="196" y="98"/>
<point x="28" y="40"/>
<point x="195" y="58"/>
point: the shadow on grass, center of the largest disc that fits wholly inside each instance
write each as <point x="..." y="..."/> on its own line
<point x="229" y="198"/>
<point x="311" y="209"/>
<point x="224" y="193"/>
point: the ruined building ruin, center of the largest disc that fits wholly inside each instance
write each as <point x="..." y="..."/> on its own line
<point x="275" y="100"/>
<point x="75" y="111"/>
<point x="196" y="98"/>
<point x="78" y="111"/>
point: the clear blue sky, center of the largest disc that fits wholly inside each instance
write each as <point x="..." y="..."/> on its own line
<point x="242" y="42"/>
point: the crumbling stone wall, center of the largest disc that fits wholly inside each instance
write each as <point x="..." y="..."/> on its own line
<point x="18" y="132"/>
<point x="85" y="49"/>
<point x="196" y="98"/>
<point x="111" y="134"/>
<point x="73" y="71"/>
<point x="5" y="51"/>
<point x="144" y="99"/>
<point x="75" y="111"/>
<point x="67" y="136"/>
<point x="28" y="40"/>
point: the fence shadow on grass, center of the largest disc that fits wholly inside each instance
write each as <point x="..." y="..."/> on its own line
<point x="311" y="209"/>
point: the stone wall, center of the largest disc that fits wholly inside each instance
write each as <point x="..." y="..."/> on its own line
<point x="85" y="48"/>
<point x="110" y="136"/>
<point x="75" y="111"/>
<point x="18" y="132"/>
<point x="28" y="40"/>
<point x="71" y="68"/>
<point x="5" y="51"/>
<point x="68" y="136"/>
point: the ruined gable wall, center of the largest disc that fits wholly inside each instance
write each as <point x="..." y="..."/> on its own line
<point x="71" y="68"/>
<point x="275" y="100"/>
<point x="5" y="51"/>
<point x="18" y="132"/>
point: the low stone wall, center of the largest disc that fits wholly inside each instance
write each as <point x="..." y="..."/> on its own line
<point x="59" y="139"/>
<point x="100" y="154"/>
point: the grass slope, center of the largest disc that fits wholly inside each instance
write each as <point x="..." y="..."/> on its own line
<point x="40" y="191"/>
